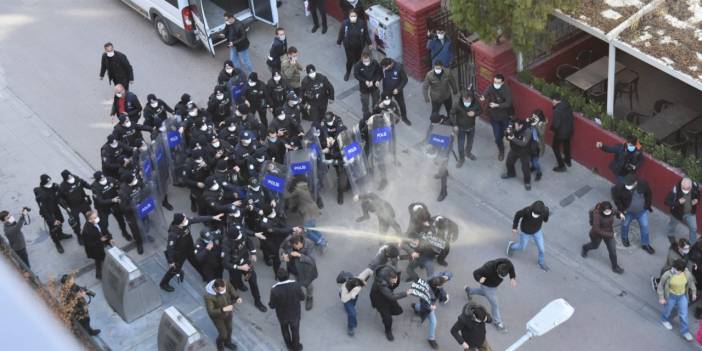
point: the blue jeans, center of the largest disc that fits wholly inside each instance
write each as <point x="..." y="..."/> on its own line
<point x="538" y="238"/>
<point x="536" y="164"/>
<point x="498" y="130"/>
<point x="681" y="302"/>
<point x="314" y="235"/>
<point x="431" y="317"/>
<point x="244" y="56"/>
<point x="690" y="220"/>
<point x="491" y="295"/>
<point x="350" y="307"/>
<point x="642" y="218"/>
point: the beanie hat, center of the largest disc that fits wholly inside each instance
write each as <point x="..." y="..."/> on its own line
<point x="65" y="174"/>
<point x="253" y="76"/>
<point x="44" y="179"/>
<point x="97" y="175"/>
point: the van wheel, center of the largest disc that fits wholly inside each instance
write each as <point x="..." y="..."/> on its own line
<point x="163" y="32"/>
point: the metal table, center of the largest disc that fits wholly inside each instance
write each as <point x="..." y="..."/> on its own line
<point x="592" y="74"/>
<point x="669" y="121"/>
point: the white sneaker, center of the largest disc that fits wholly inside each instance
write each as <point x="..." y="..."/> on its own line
<point x="448" y="297"/>
<point x="687" y="336"/>
<point x="667" y="325"/>
<point x="509" y="248"/>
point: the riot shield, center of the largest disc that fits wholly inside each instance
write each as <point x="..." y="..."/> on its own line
<point x="381" y="138"/>
<point x="162" y="167"/>
<point x="148" y="212"/>
<point x="303" y="163"/>
<point x="273" y="176"/>
<point x="439" y="142"/>
<point x="172" y="139"/>
<point x="354" y="160"/>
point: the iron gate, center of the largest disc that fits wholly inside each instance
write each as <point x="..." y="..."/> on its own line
<point x="463" y="64"/>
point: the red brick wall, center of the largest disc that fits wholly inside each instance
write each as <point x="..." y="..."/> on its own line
<point x="491" y="60"/>
<point x="413" y="15"/>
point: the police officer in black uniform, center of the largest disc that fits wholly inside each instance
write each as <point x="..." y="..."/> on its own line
<point x="239" y="259"/>
<point x="520" y="138"/>
<point x="293" y="108"/>
<point x="156" y="111"/>
<point x="420" y="219"/>
<point x="72" y="193"/>
<point x="329" y="130"/>
<point x="394" y="81"/>
<point x="196" y="171"/>
<point x="128" y="132"/>
<point x="219" y="106"/>
<point x="48" y="200"/>
<point x="317" y="93"/>
<point x="276" y="90"/>
<point x="255" y="95"/>
<point x="114" y="155"/>
<point x="128" y="192"/>
<point x="208" y="251"/>
<point x="106" y="197"/>
<point x="181" y="247"/>
<point x="447" y="231"/>
<point x="229" y="132"/>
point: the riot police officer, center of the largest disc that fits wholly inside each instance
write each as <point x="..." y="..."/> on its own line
<point x="276" y="90"/>
<point x="196" y="171"/>
<point x="372" y="203"/>
<point x="317" y="93"/>
<point x="219" y="198"/>
<point x="181" y="247"/>
<point x="330" y="129"/>
<point x="239" y="259"/>
<point x="208" y="251"/>
<point x="447" y="231"/>
<point x="248" y="122"/>
<point x="229" y="132"/>
<point x="293" y="109"/>
<point x="72" y="193"/>
<point x="114" y="155"/>
<point x="48" y="200"/>
<point x="520" y="139"/>
<point x="219" y="106"/>
<point x="106" y="197"/>
<point x="128" y="193"/>
<point x="155" y="112"/>
<point x="255" y="95"/>
<point x="286" y="126"/>
<point x="128" y="132"/>
<point x="420" y="219"/>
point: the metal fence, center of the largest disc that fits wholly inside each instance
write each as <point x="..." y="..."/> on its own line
<point x="463" y="64"/>
<point x="557" y="33"/>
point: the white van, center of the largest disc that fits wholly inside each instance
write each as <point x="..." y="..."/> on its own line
<point x="196" y="22"/>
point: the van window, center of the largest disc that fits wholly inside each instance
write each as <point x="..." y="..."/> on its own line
<point x="173" y="3"/>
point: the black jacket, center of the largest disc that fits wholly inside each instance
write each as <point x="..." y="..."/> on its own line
<point x="503" y="97"/>
<point x="113" y="158"/>
<point x="131" y="105"/>
<point x="180" y="241"/>
<point x="467" y="330"/>
<point x="353" y="35"/>
<point x="622" y="196"/>
<point x="522" y="141"/>
<point x="562" y="123"/>
<point x="103" y="194"/>
<point x="74" y="194"/>
<point x="237" y="252"/>
<point x="394" y="78"/>
<point x="673" y="200"/>
<point x="624" y="162"/>
<point x="285" y="300"/>
<point x="278" y="49"/>
<point x="527" y="223"/>
<point x="382" y="295"/>
<point x="489" y="271"/>
<point x="256" y="95"/>
<point x="317" y="90"/>
<point x="48" y="200"/>
<point x="363" y="73"/>
<point x="236" y="35"/>
<point x="92" y="241"/>
<point x="459" y="114"/>
<point x="276" y="93"/>
<point x="154" y="116"/>
<point x="118" y="68"/>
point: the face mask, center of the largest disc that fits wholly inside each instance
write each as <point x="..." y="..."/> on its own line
<point x="674" y="271"/>
<point x="330" y="123"/>
<point x="97" y="220"/>
<point x="134" y="182"/>
<point x="312" y="75"/>
<point x="185" y="223"/>
<point x="214" y="187"/>
<point x="200" y="161"/>
<point x="114" y="144"/>
<point x="467" y="103"/>
<point x="119" y="95"/>
<point x="272" y="215"/>
<point x="607" y="213"/>
<point x="255" y="188"/>
<point x="535" y="215"/>
<point x="48" y="185"/>
<point x="366" y="63"/>
<point x="237" y="214"/>
<point x="631" y="148"/>
<point x="110" y="54"/>
<point x="260" y="160"/>
<point x="192" y="113"/>
<point x="231" y="128"/>
<point x="497" y="86"/>
<point x="215" y="145"/>
<point x="386" y="102"/>
<point x="630" y="187"/>
<point x="252" y="83"/>
<point x="219" y="96"/>
<point x="127" y="124"/>
<point x="281" y="37"/>
<point x="440" y="36"/>
<point x="276" y="78"/>
<point x="154" y="104"/>
<point x="272" y="139"/>
<point x="102" y="181"/>
<point x="281" y="117"/>
<point x="438" y="70"/>
<point x="685" y="191"/>
<point x="353" y="19"/>
<point x="71" y="180"/>
<point x="229" y="70"/>
<point x="11" y="219"/>
<point x="203" y="127"/>
<point x="246" y="142"/>
<point x="685" y="251"/>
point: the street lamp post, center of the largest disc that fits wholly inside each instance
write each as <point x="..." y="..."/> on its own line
<point x="552" y="315"/>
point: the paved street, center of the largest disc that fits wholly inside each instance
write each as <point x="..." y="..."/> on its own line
<point x="55" y="115"/>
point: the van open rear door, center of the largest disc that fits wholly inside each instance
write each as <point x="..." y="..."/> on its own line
<point x="201" y="28"/>
<point x="265" y="11"/>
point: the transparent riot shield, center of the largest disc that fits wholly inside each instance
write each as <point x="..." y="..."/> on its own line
<point x="303" y="164"/>
<point x="148" y="212"/>
<point x="162" y="167"/>
<point x="311" y="141"/>
<point x="172" y="139"/>
<point x="273" y="180"/>
<point x="354" y="160"/>
<point x="439" y="143"/>
<point x="381" y="138"/>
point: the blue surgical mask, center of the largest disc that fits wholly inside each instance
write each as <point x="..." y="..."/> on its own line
<point x="631" y="148"/>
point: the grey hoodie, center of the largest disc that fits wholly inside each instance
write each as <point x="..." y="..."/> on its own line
<point x="13" y="232"/>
